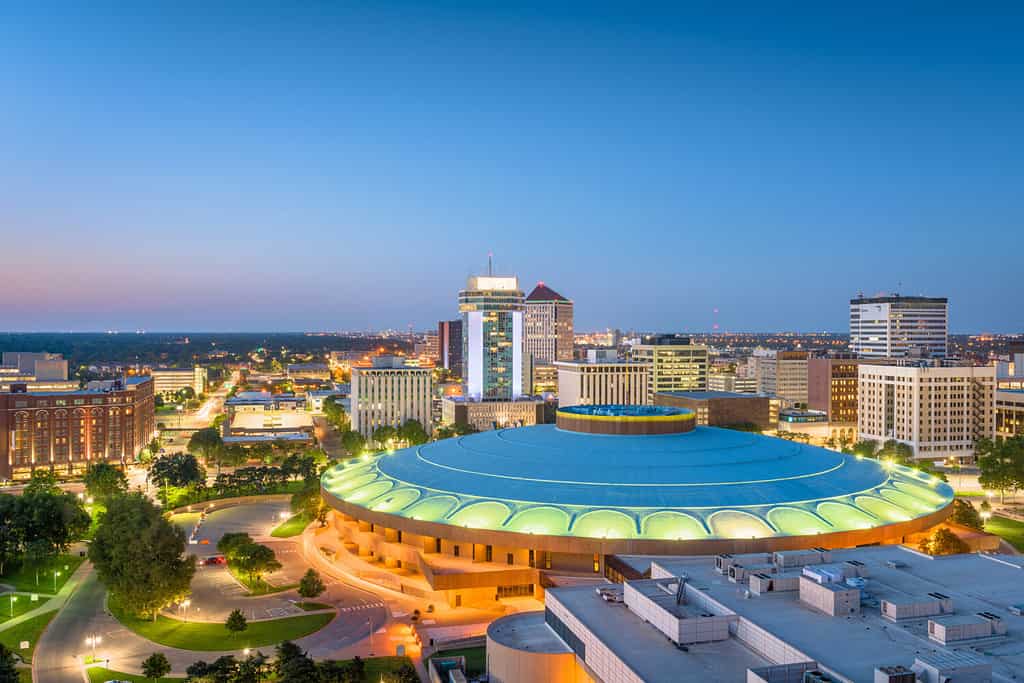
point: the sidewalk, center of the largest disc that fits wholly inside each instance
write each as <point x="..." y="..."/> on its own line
<point x="55" y="601"/>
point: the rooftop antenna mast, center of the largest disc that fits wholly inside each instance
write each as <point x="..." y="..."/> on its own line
<point x="490" y="268"/>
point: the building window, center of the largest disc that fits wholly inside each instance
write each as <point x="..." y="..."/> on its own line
<point x="570" y="638"/>
<point x="510" y="558"/>
<point x="597" y="563"/>
<point x="488" y="553"/>
<point x="437" y="545"/>
<point x="455" y="551"/>
<point x="532" y="560"/>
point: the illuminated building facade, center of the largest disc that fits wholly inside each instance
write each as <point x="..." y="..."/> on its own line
<point x="1009" y="413"/>
<point x="492" y="337"/>
<point x="895" y="326"/>
<point x="549" y="331"/>
<point x="598" y="382"/>
<point x="67" y="430"/>
<point x="940" y="412"/>
<point x="480" y="517"/>
<point x="675" y="363"/>
<point x="172" y="380"/>
<point x="388" y="394"/>
<point x="449" y="345"/>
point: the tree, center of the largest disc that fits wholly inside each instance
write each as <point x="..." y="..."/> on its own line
<point x="335" y="414"/>
<point x="208" y="444"/>
<point x="311" y="586"/>
<point x="309" y="501"/>
<point x="413" y="433"/>
<point x="51" y="521"/>
<point x="231" y="543"/>
<point x="11" y="531"/>
<point x="185" y="394"/>
<point x="405" y="674"/>
<point x="8" y="666"/>
<point x="257" y="560"/>
<point x="103" y="480"/>
<point x="943" y="542"/>
<point x="42" y="481"/>
<point x="176" y="469"/>
<point x="139" y="555"/>
<point x="156" y="666"/>
<point x="965" y="514"/>
<point x="866" y="448"/>
<point x="385" y="435"/>
<point x="353" y="442"/>
<point x="39" y="551"/>
<point x="1001" y="464"/>
<point x="236" y="622"/>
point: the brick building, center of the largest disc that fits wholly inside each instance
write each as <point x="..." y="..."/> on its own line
<point x="67" y="430"/>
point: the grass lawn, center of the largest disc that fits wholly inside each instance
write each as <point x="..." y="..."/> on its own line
<point x="970" y="494"/>
<point x="293" y="526"/>
<point x="23" y="578"/>
<point x="313" y="606"/>
<point x="97" y="674"/>
<point x="476" y="658"/>
<point x="24" y="675"/>
<point x="1010" y="529"/>
<point x="22" y="603"/>
<point x="259" y="586"/>
<point x="210" y="637"/>
<point x="378" y="667"/>
<point x="29" y="630"/>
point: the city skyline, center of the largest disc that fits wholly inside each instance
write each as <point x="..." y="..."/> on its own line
<point x="347" y="167"/>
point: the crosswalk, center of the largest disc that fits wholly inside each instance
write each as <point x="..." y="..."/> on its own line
<point x="364" y="606"/>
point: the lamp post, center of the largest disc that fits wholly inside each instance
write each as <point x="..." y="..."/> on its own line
<point x="985" y="516"/>
<point x="55" y="575"/>
<point x="184" y="604"/>
<point x="13" y="599"/>
<point x="93" y="641"/>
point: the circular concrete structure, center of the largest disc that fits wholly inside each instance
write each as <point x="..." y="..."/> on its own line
<point x="705" y="490"/>
<point x="625" y="420"/>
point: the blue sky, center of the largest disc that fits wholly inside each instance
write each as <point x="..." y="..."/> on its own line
<point x="327" y="165"/>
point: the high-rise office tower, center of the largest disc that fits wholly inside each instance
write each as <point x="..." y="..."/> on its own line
<point x="675" y="363"/>
<point x="492" y="337"/>
<point x="548" y="325"/>
<point x="894" y="326"/>
<point x="782" y="374"/>
<point x="449" y="345"/>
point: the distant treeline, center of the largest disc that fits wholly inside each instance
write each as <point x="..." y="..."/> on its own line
<point x="171" y="349"/>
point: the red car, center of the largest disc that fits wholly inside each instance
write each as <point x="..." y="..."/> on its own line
<point x="216" y="559"/>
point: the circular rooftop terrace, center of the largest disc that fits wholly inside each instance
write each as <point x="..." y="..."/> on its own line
<point x="708" y="483"/>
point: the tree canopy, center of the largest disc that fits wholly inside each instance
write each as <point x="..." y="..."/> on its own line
<point x="103" y="480"/>
<point x="311" y="585"/>
<point x="176" y="469"/>
<point x="1001" y="464"/>
<point x="139" y="556"/>
<point x="156" y="666"/>
<point x="207" y="444"/>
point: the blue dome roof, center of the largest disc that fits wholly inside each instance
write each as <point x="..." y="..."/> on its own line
<point x="709" y="483"/>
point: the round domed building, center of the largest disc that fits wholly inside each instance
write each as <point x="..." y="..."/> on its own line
<point x="482" y="516"/>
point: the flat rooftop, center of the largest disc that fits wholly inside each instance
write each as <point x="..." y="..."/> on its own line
<point x="705" y="395"/>
<point x="853" y="646"/>
<point x="646" y="651"/>
<point x="527" y="631"/>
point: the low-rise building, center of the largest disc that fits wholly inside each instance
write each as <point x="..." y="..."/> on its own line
<point x="1009" y="413"/>
<point x="675" y="363"/>
<point x="40" y="365"/>
<point x="486" y="415"/>
<point x="812" y="423"/>
<point x="67" y="430"/>
<point x="172" y="380"/>
<point x="732" y="383"/>
<point x="602" y="379"/>
<point x="319" y="371"/>
<point x="388" y="393"/>
<point x="830" y="621"/>
<point x="940" y="411"/>
<point x="545" y="379"/>
<point x="721" y="408"/>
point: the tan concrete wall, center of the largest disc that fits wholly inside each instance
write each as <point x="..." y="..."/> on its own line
<point x="508" y="665"/>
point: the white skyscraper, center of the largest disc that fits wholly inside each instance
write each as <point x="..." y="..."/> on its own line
<point x="492" y="337"/>
<point x="895" y="326"/>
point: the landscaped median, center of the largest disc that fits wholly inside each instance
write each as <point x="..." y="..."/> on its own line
<point x="98" y="674"/>
<point x="1009" y="529"/>
<point x="214" y="637"/>
<point x="293" y="526"/>
<point x="30" y="630"/>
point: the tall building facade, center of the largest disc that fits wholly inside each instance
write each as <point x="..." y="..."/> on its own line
<point x="492" y="310"/>
<point x="388" y="394"/>
<point x="66" y="431"/>
<point x="940" y="412"/>
<point x="40" y="366"/>
<point x="600" y="382"/>
<point x="549" y="329"/>
<point x="449" y="345"/>
<point x="896" y="326"/>
<point x="782" y="374"/>
<point x="675" y="363"/>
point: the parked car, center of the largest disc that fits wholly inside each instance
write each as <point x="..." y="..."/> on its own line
<point x="216" y="559"/>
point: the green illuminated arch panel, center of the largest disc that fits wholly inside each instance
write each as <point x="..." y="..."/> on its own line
<point x="433" y="509"/>
<point x="674" y="526"/>
<point x="369" y="492"/>
<point x="540" y="520"/>
<point x="884" y="510"/>
<point x="796" y="522"/>
<point x="845" y="517"/>
<point x="488" y="514"/>
<point x="393" y="501"/>
<point x="738" y="524"/>
<point x="604" y="524"/>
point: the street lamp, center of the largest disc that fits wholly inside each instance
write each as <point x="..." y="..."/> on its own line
<point x="55" y="575"/>
<point x="13" y="600"/>
<point x="184" y="604"/>
<point x="985" y="516"/>
<point x="93" y="641"/>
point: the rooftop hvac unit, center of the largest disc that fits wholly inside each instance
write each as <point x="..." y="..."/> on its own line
<point x="894" y="674"/>
<point x="895" y="564"/>
<point x="816" y="676"/>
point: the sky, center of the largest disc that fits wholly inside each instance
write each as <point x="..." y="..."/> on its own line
<point x="222" y="166"/>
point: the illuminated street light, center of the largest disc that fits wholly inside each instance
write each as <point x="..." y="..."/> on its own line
<point x="184" y="605"/>
<point x="93" y="641"/>
<point x="55" y="575"/>
<point x="14" y="598"/>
